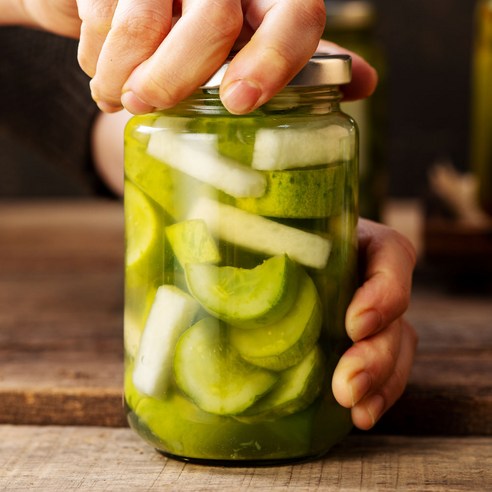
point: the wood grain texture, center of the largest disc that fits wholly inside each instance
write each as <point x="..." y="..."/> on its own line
<point x="450" y="388"/>
<point x="61" y="312"/>
<point x="61" y="303"/>
<point x="95" y="458"/>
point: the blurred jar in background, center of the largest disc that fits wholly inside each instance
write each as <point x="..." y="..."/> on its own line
<point x="481" y="138"/>
<point x="351" y="24"/>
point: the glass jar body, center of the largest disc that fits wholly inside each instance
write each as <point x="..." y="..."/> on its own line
<point x="352" y="24"/>
<point x="481" y="138"/>
<point x="240" y="263"/>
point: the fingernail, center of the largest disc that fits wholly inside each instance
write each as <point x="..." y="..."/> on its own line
<point x="359" y="386"/>
<point x="241" y="96"/>
<point x="134" y="104"/>
<point x="364" y="324"/>
<point x="375" y="407"/>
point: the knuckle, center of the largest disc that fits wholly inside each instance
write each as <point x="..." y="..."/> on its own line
<point x="97" y="16"/>
<point x="159" y="93"/>
<point x="86" y="57"/>
<point x="86" y="63"/>
<point x="224" y="21"/>
<point x="314" y="14"/>
<point x="137" y="21"/>
<point x="280" y="56"/>
<point x="398" y="383"/>
<point x="391" y="358"/>
<point x="100" y="94"/>
<point x="407" y="247"/>
<point x="400" y="297"/>
<point x="99" y="10"/>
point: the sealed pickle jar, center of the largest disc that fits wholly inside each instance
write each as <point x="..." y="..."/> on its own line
<point x="481" y="138"/>
<point x="240" y="263"/>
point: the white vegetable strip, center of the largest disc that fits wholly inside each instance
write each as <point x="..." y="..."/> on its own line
<point x="286" y="148"/>
<point x="172" y="312"/>
<point x="199" y="158"/>
<point x="260" y="234"/>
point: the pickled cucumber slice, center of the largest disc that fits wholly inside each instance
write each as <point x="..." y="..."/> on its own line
<point x="303" y="194"/>
<point x="259" y="234"/>
<point x="176" y="425"/>
<point x="285" y="343"/>
<point x="296" y="389"/>
<point x="198" y="157"/>
<point x="192" y="242"/>
<point x="288" y="148"/>
<point x="235" y="137"/>
<point x="211" y="372"/>
<point x="171" y="189"/>
<point x="142" y="225"/>
<point x="145" y="257"/>
<point x="245" y="297"/>
<point x="172" y="312"/>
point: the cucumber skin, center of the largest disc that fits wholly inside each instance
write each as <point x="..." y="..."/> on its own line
<point x="299" y="194"/>
<point x="243" y="340"/>
<point x="294" y="354"/>
<point x="192" y="243"/>
<point x="279" y="307"/>
<point x="274" y="405"/>
<point x="232" y="385"/>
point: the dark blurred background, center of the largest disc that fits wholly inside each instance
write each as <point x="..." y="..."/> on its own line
<point x="427" y="46"/>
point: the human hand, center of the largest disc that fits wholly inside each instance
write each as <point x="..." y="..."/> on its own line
<point x="152" y="54"/>
<point x="374" y="371"/>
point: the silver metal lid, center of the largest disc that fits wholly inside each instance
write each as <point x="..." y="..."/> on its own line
<point x="321" y="69"/>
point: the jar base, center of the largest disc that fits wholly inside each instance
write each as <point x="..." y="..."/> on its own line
<point x="241" y="463"/>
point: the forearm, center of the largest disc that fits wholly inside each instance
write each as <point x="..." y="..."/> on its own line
<point x="13" y="13"/>
<point x="57" y="17"/>
<point x="107" y="148"/>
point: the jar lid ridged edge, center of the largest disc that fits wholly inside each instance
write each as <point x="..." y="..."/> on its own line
<point x="322" y="69"/>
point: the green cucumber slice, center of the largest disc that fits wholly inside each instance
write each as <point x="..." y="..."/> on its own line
<point x="285" y="343"/>
<point x="172" y="312"/>
<point x="288" y="148"/>
<point x="179" y="427"/>
<point x="296" y="389"/>
<point x="245" y="297"/>
<point x="145" y="257"/>
<point x="142" y="226"/>
<point x="307" y="193"/>
<point x="192" y="242"/>
<point x="235" y="137"/>
<point x="259" y="234"/>
<point x="211" y="372"/>
<point x="196" y="155"/>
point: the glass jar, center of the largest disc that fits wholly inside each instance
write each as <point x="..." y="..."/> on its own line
<point x="352" y="24"/>
<point x="240" y="263"/>
<point x="481" y="138"/>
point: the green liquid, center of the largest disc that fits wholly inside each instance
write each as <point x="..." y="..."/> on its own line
<point x="159" y="195"/>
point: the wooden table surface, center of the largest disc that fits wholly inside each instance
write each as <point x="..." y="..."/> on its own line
<point x="61" y="421"/>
